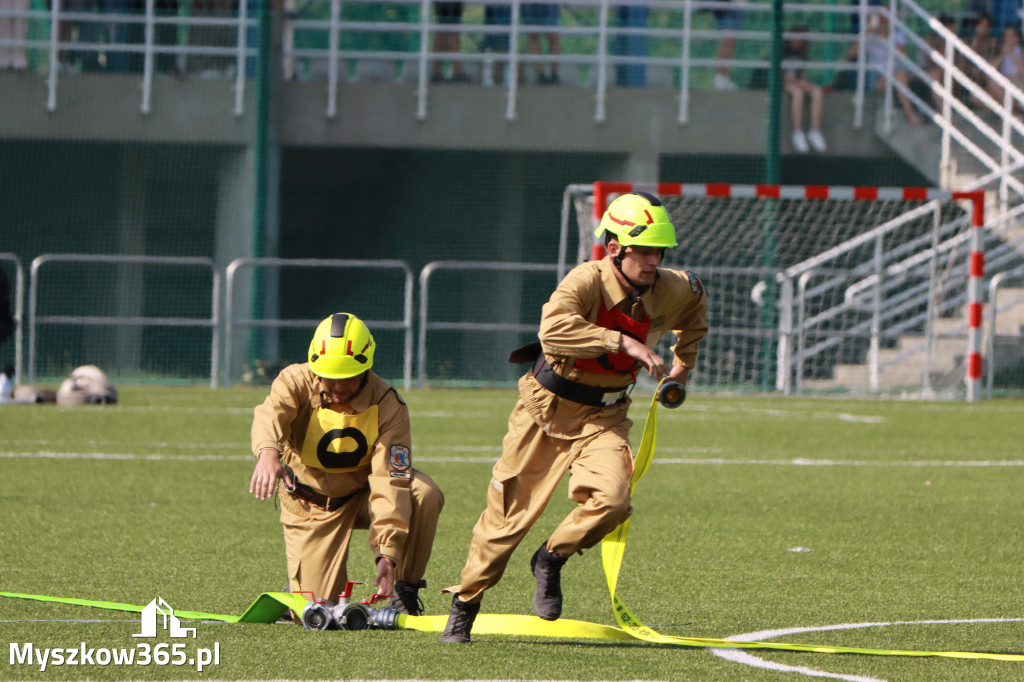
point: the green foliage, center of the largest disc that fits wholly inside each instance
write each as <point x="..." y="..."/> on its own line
<point x="905" y="508"/>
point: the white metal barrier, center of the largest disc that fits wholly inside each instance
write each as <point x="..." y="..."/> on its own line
<point x="18" y="312"/>
<point x="868" y="292"/>
<point x="998" y="281"/>
<point x="405" y="324"/>
<point x="954" y="116"/>
<point x="212" y="322"/>
<point x="425" y="323"/>
<point x="794" y="338"/>
<point x="601" y="61"/>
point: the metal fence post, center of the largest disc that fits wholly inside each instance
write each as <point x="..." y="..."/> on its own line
<point x="231" y="322"/>
<point x="876" y="315"/>
<point x="19" y="307"/>
<point x="783" y="380"/>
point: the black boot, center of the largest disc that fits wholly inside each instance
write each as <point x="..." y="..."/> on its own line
<point x="407" y="597"/>
<point x="547" y="568"/>
<point x="460" y="621"/>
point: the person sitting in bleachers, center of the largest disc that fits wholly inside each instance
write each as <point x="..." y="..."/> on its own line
<point x="876" y="57"/>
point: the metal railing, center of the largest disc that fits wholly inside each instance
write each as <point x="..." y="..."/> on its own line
<point x="427" y="325"/>
<point x="590" y="23"/>
<point x="880" y="311"/>
<point x="115" y="24"/>
<point x="954" y="116"/>
<point x="876" y="282"/>
<point x="405" y="324"/>
<point x="899" y="291"/>
<point x="212" y="322"/>
<point x="1016" y="275"/>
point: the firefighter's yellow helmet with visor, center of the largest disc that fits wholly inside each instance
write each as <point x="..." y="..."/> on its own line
<point x="638" y="219"/>
<point x="342" y="347"/>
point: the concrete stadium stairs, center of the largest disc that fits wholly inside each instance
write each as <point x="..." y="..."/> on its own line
<point x="903" y="366"/>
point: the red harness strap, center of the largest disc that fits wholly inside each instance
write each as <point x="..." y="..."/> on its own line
<point x="621" y="362"/>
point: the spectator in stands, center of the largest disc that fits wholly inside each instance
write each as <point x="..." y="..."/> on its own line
<point x="633" y="45"/>
<point x="936" y="72"/>
<point x="448" y="41"/>
<point x="109" y="38"/>
<point x="215" y="35"/>
<point x="123" y="33"/>
<point x="1006" y="13"/>
<point x="855" y="15"/>
<point x="496" y="43"/>
<point x="67" y="32"/>
<point x="13" y="28"/>
<point x="982" y="39"/>
<point x="876" y="57"/>
<point x="726" y="20"/>
<point x="535" y="14"/>
<point x="985" y="44"/>
<point x="794" y="60"/>
<point x="1009" y="61"/>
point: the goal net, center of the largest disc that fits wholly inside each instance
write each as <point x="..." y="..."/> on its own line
<point x="815" y="288"/>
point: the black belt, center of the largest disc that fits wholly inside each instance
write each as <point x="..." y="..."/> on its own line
<point x="304" y="492"/>
<point x="585" y="394"/>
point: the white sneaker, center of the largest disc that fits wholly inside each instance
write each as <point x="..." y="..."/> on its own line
<point x="817" y="141"/>
<point x="722" y="82"/>
<point x="800" y="141"/>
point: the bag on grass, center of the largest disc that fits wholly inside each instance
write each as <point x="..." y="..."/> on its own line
<point x="87" y="385"/>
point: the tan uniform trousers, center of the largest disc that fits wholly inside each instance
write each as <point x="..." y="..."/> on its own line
<point x="316" y="541"/>
<point x="531" y="466"/>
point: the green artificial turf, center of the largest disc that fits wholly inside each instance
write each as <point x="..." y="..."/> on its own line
<point x="904" y="512"/>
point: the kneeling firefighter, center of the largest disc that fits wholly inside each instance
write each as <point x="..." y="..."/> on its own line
<point x="337" y="436"/>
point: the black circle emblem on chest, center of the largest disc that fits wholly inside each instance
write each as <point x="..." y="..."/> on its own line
<point x="341" y="460"/>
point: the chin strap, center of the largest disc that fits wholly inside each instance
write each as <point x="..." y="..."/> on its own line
<point x="617" y="262"/>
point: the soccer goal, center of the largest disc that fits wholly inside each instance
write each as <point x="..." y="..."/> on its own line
<point x="823" y="289"/>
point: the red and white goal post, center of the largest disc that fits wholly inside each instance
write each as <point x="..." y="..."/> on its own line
<point x="806" y="282"/>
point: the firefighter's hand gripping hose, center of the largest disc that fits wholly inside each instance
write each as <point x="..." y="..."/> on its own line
<point x="270" y="606"/>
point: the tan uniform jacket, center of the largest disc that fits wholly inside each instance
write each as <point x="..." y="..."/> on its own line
<point x="676" y="302"/>
<point x="282" y="420"/>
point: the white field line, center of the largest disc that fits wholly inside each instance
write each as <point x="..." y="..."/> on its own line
<point x="805" y="462"/>
<point x="99" y="443"/>
<point x="795" y="462"/>
<point x="146" y="409"/>
<point x="743" y="657"/>
<point x="797" y="407"/>
<point x="75" y="620"/>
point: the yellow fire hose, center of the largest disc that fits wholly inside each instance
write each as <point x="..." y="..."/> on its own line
<point x="269" y="606"/>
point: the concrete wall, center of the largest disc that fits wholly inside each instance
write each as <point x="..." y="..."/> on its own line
<point x="638" y="122"/>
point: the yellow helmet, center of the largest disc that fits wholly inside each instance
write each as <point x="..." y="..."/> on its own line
<point x="638" y="219"/>
<point x="342" y="347"/>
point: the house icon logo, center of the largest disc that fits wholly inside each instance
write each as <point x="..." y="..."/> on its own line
<point x="158" y="607"/>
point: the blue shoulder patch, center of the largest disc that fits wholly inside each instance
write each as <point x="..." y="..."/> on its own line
<point x="695" y="284"/>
